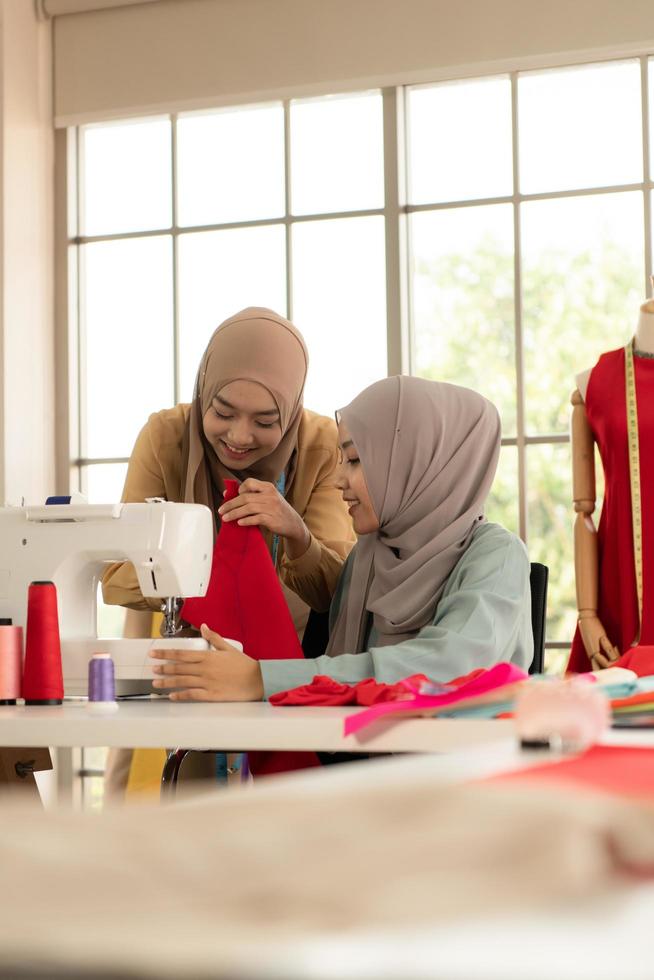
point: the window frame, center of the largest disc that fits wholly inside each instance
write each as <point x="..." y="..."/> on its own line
<point x="396" y="211"/>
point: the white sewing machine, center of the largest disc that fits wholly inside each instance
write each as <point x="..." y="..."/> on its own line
<point x="170" y="546"/>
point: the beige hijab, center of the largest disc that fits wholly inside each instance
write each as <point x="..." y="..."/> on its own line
<point x="254" y="345"/>
<point x="429" y="453"/>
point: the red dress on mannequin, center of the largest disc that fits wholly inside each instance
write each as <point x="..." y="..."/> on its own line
<point x="617" y="605"/>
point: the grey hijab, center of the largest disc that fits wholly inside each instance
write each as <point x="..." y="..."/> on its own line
<point x="429" y="451"/>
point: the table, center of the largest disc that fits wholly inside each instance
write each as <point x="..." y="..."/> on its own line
<point x="237" y="726"/>
<point x="596" y="937"/>
<point x="247" y="726"/>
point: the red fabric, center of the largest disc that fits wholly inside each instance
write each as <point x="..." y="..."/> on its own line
<point x="244" y="602"/>
<point x="610" y="769"/>
<point x="640" y="659"/>
<point x="606" y="411"/>
<point x="326" y="691"/>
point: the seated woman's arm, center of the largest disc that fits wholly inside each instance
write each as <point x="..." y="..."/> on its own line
<point x="482" y="618"/>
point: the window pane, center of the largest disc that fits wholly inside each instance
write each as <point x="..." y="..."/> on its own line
<point x="502" y="504"/>
<point x="550" y="532"/>
<point x="582" y="285"/>
<point x="104" y="482"/>
<point x="93" y="786"/>
<point x="339" y="303"/>
<point x="231" y="165"/>
<point x="460" y="141"/>
<point x="220" y="273"/>
<point x="110" y="619"/>
<point x="462" y="298"/>
<point x="126" y="182"/>
<point x="127" y="326"/>
<point x="337" y="154"/>
<point x="580" y="127"/>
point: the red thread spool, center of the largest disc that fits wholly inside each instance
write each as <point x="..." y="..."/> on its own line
<point x="42" y="676"/>
<point x="11" y="661"/>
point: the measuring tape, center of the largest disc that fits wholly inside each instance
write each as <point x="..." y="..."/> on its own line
<point x="634" y="476"/>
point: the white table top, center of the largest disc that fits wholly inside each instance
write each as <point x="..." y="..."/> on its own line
<point x="242" y="726"/>
<point x="235" y="727"/>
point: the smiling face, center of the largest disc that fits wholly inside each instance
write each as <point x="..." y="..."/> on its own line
<point x="352" y="484"/>
<point x="242" y="424"/>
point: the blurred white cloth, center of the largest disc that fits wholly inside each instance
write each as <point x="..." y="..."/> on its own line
<point x="298" y="878"/>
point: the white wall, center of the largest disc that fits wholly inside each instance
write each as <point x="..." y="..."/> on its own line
<point x="26" y="254"/>
<point x="194" y="53"/>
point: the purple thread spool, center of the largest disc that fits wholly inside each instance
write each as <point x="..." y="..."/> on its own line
<point x="102" y="685"/>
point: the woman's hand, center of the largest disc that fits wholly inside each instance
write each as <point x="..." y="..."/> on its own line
<point x="261" y="504"/>
<point x="222" y="673"/>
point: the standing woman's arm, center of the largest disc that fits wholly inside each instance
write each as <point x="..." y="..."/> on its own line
<point x="314" y="574"/>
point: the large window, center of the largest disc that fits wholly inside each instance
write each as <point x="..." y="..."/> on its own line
<point x="497" y="230"/>
<point x="530" y="233"/>
<point x="185" y="220"/>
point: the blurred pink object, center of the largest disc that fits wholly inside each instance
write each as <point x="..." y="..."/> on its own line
<point x="568" y="713"/>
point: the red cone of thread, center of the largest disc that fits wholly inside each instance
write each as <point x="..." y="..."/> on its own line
<point x="42" y="676"/>
<point x="244" y="601"/>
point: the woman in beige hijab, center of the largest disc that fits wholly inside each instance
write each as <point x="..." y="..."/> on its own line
<point x="247" y="422"/>
<point x="431" y="586"/>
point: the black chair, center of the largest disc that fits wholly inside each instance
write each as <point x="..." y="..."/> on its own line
<point x="316" y="634"/>
<point x="538" y="577"/>
<point x="314" y="643"/>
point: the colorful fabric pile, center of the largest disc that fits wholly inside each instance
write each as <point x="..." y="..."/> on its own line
<point x="481" y="694"/>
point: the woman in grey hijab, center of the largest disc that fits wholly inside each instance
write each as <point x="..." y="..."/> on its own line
<point x="431" y="586"/>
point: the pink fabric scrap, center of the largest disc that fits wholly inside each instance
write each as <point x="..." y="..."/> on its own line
<point x="482" y="688"/>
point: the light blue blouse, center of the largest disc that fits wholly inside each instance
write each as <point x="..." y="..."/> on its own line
<point x="483" y="617"/>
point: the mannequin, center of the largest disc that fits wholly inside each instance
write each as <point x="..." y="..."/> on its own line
<point x="596" y="646"/>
